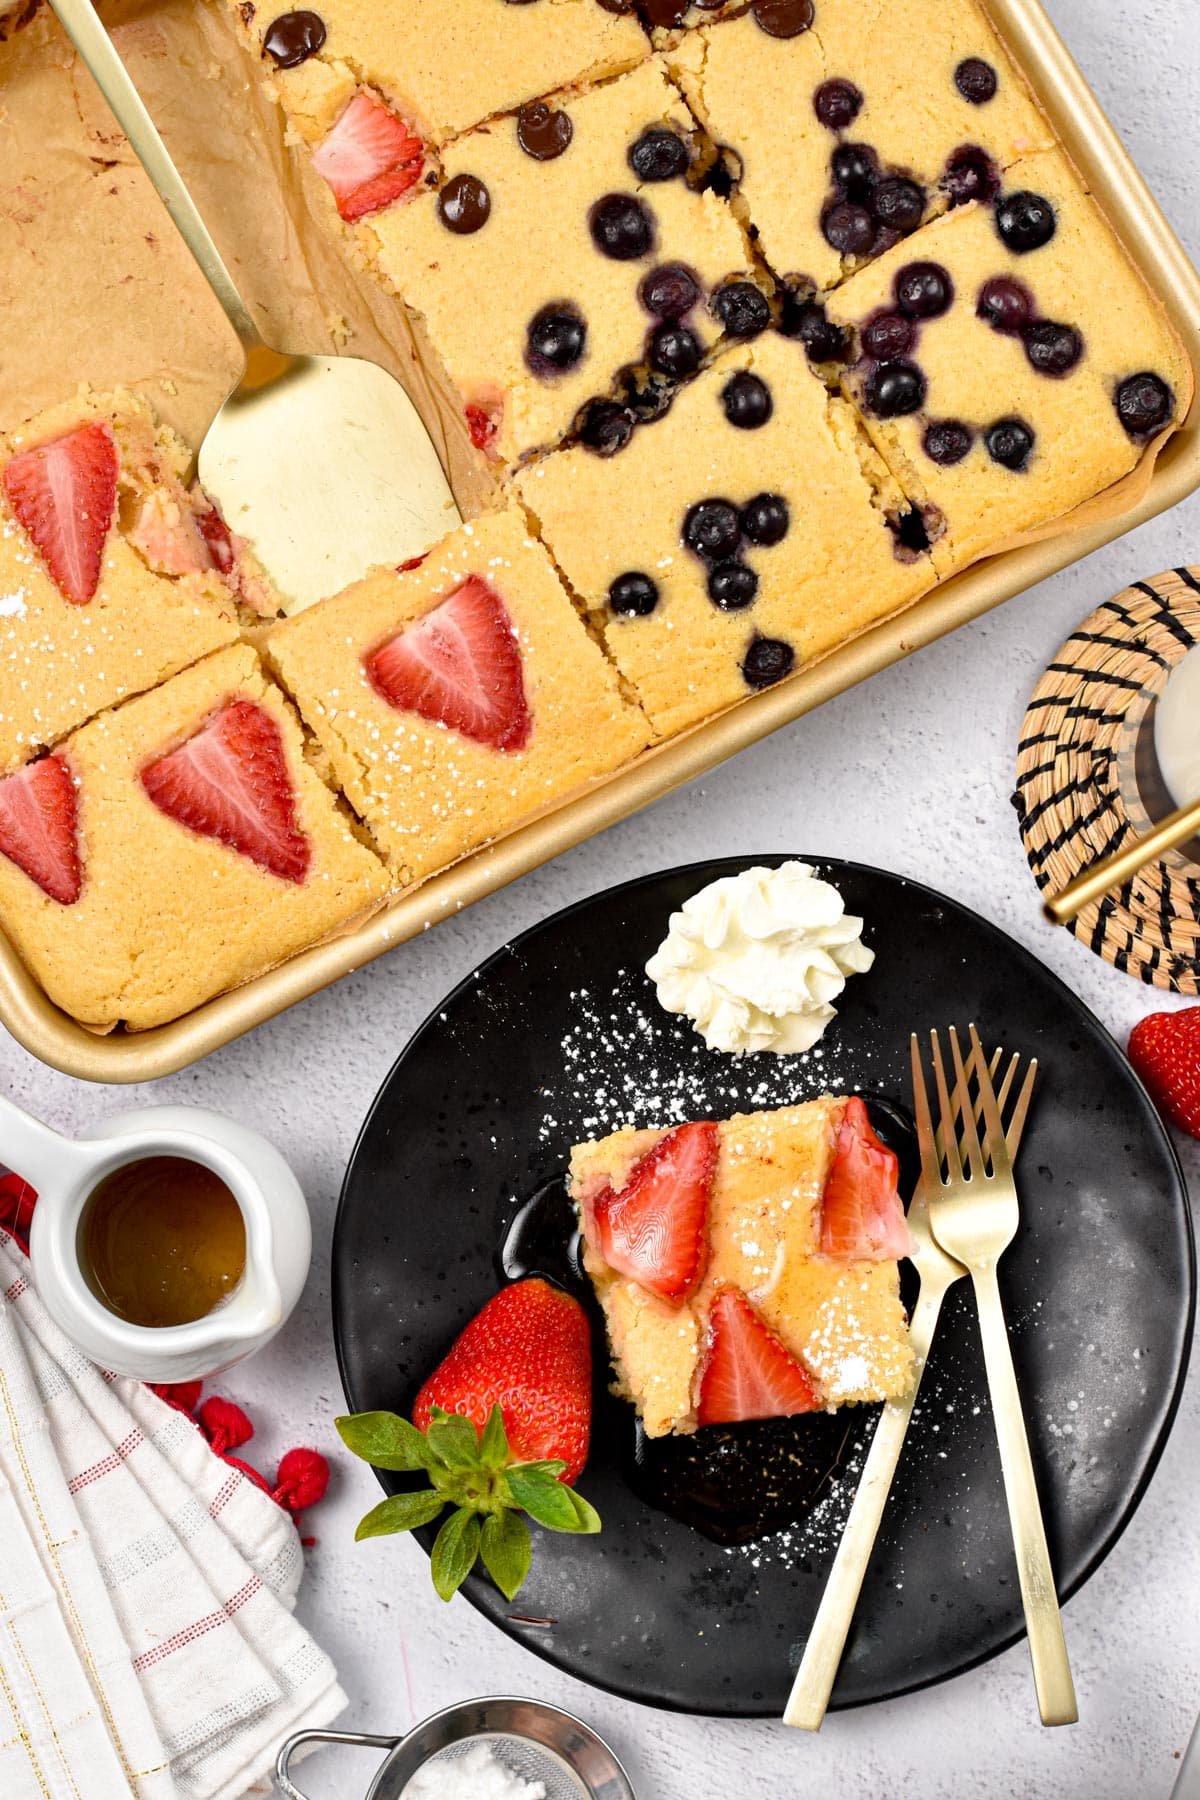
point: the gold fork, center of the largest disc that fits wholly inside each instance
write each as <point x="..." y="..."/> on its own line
<point x="974" y="1213"/>
<point x="809" y="1699"/>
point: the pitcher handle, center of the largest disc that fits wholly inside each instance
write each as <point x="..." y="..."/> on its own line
<point x="35" y="1152"/>
<point x="357" y="1739"/>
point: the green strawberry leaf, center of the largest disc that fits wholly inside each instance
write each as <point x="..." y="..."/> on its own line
<point x="454" y="1551"/>
<point x="385" y="1440"/>
<point x="586" y="1514"/>
<point x="453" y="1440"/>
<point x="493" y="1445"/>
<point x="507" y="1551"/>
<point x="400" y="1512"/>
<point x="545" y="1499"/>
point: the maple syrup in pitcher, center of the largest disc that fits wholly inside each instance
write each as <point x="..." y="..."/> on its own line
<point x="162" y="1241"/>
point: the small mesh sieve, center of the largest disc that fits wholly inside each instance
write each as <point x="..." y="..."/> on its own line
<point x="535" y="1741"/>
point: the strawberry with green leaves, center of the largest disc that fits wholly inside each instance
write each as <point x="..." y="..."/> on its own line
<point x="501" y="1428"/>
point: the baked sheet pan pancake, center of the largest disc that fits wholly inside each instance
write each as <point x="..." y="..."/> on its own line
<point x="1098" y="153"/>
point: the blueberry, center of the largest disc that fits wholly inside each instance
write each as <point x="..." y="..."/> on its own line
<point x="924" y="290"/>
<point x="633" y="594"/>
<point x="621" y="227"/>
<point x="909" y="530"/>
<point x="765" y="519"/>
<point x="1004" y="304"/>
<point x="645" y="400"/>
<point x="1025" y="221"/>
<point x="849" y="228"/>
<point x="674" y="350"/>
<point x="975" y="80"/>
<point x="747" y="401"/>
<point x="947" y="441"/>
<point x="742" y="308"/>
<point x="895" y="388"/>
<point x="887" y="336"/>
<point x="605" y="427"/>
<point x="669" y="291"/>
<point x="767" y="661"/>
<point x="556" y="338"/>
<point x="713" y="530"/>
<point x="1144" y="404"/>
<point x="1009" y="442"/>
<point x="970" y="174"/>
<point x="732" y="586"/>
<point x="855" y="168"/>
<point x="659" y="155"/>
<point x="837" y="104"/>
<point x="805" y="319"/>
<point x="898" y="204"/>
<point x="1052" y="349"/>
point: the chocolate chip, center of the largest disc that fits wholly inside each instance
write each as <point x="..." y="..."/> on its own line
<point x="293" y="37"/>
<point x="464" y="205"/>
<point x="543" y="132"/>
<point x="784" y="18"/>
<point x="767" y="661"/>
<point x="837" y="104"/>
<point x="976" y="80"/>
<point x="1144" y="404"/>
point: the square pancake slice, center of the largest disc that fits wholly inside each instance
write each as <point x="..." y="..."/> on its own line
<point x="457" y="698"/>
<point x="787" y="1245"/>
<point x="748" y="530"/>
<point x="534" y="270"/>
<point x="851" y="130"/>
<point x="443" y="65"/>
<point x="88" y="611"/>
<point x="175" y="847"/>
<point x="1010" y="361"/>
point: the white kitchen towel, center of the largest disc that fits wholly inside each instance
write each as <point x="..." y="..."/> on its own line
<point x="147" y="1644"/>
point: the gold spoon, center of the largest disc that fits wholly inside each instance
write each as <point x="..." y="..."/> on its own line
<point x="1114" y="871"/>
<point x="321" y="462"/>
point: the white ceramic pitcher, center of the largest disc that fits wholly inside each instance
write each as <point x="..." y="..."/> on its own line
<point x="65" y="1171"/>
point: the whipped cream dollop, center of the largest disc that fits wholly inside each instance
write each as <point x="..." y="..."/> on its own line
<point x="756" y="960"/>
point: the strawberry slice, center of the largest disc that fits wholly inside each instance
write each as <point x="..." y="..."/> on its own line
<point x="748" y="1373"/>
<point x="483" y="422"/>
<point x="64" y="493"/>
<point x="653" y="1230"/>
<point x="231" y="782"/>
<point x="38" y="827"/>
<point x="862" y="1216"/>
<point x="369" y="158"/>
<point x="529" y="1352"/>
<point x="459" y="666"/>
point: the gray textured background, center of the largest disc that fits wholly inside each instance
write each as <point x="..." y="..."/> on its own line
<point x="914" y="772"/>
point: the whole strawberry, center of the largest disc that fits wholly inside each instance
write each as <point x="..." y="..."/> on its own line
<point x="500" y="1428"/>
<point x="1165" y="1050"/>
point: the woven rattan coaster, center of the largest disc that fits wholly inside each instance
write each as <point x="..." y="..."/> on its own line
<point x="1086" y="760"/>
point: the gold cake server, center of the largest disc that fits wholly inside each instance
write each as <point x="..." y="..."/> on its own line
<point x="320" y="462"/>
<point x="809" y="1699"/>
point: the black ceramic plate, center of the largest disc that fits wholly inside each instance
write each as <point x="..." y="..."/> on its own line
<point x="558" y="1037"/>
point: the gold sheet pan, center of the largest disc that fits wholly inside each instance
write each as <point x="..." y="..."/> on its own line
<point x="1089" y="138"/>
